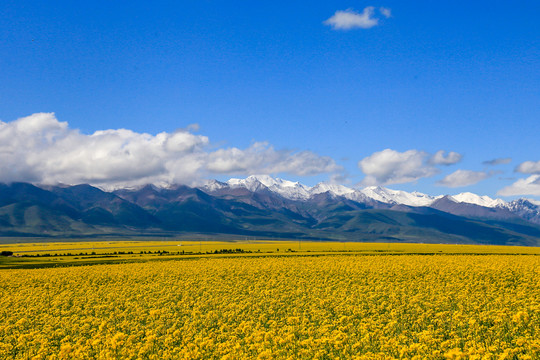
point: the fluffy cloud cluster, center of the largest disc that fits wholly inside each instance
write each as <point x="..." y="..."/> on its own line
<point x="261" y="158"/>
<point x="461" y="178"/>
<point x="529" y="167"/>
<point x="393" y="167"/>
<point x="40" y="149"/>
<point x="350" y="19"/>
<point x="527" y="186"/>
<point x="439" y="158"/>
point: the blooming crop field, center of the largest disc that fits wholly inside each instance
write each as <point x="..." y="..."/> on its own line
<point x="277" y="307"/>
<point x="70" y="253"/>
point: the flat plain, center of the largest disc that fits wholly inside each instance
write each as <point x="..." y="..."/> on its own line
<point x="268" y="299"/>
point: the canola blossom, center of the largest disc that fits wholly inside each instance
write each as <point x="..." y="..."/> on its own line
<point x="300" y="307"/>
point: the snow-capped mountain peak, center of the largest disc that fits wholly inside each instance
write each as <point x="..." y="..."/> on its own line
<point x="214" y="185"/>
<point x="287" y="189"/>
<point x="389" y="196"/>
<point x="332" y="188"/>
<point x="296" y="191"/>
<point x="525" y="208"/>
<point x="471" y="198"/>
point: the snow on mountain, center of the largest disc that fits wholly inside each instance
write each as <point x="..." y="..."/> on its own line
<point x="398" y="196"/>
<point x="287" y="189"/>
<point x="214" y="185"/>
<point x="522" y="204"/>
<point x="471" y="198"/>
<point x="296" y="191"/>
<point x="526" y="208"/>
<point x="332" y="188"/>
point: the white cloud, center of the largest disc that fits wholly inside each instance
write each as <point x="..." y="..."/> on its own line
<point x="262" y="158"/>
<point x="528" y="186"/>
<point x="386" y="12"/>
<point x="529" y="167"/>
<point x="393" y="167"/>
<point x="461" y="178"/>
<point x="498" y="161"/>
<point x="40" y="149"/>
<point x="350" y="19"/>
<point x="440" y="159"/>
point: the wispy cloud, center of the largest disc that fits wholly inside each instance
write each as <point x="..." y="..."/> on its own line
<point x="460" y="178"/>
<point x="41" y="149"/>
<point x="386" y="12"/>
<point x="498" y="161"/>
<point x="351" y="19"/>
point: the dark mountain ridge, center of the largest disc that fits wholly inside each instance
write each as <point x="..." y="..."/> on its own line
<point x="84" y="210"/>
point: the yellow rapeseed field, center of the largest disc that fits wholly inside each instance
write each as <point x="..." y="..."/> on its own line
<point x="290" y="307"/>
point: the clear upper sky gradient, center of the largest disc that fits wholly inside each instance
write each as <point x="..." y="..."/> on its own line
<point x="358" y="92"/>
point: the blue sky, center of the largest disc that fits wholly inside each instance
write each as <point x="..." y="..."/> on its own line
<point x="359" y="92"/>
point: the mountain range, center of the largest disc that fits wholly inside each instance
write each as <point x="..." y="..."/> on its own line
<point x="267" y="207"/>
